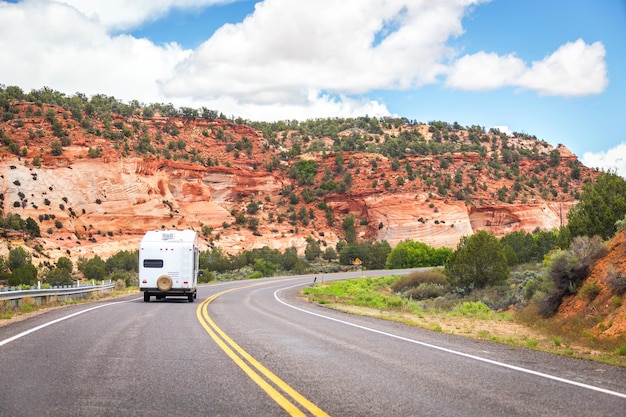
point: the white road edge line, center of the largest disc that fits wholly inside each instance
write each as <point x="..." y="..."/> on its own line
<point x="453" y="352"/>
<point x="34" y="329"/>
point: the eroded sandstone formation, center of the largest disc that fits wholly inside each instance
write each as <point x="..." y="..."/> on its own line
<point x="114" y="179"/>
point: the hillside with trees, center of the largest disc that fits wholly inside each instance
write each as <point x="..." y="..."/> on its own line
<point x="89" y="168"/>
<point x="87" y="176"/>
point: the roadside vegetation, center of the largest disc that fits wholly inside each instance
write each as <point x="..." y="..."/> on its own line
<point x="30" y="306"/>
<point x="425" y="299"/>
<point x="508" y="290"/>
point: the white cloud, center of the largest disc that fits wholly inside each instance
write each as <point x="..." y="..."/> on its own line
<point x="483" y="71"/>
<point x="318" y="106"/>
<point x="123" y="14"/>
<point x="296" y="52"/>
<point x="48" y="44"/>
<point x="614" y="159"/>
<point x="574" y="69"/>
<point x="504" y="129"/>
<point x="289" y="59"/>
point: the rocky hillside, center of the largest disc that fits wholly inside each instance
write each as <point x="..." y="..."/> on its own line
<point x="598" y="310"/>
<point x="95" y="174"/>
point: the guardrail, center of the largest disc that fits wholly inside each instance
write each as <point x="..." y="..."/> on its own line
<point x="71" y="292"/>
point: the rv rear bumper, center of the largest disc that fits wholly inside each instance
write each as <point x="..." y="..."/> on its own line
<point x="172" y="291"/>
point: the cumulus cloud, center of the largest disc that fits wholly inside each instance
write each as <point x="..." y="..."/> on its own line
<point x="574" y="69"/>
<point x="485" y="71"/>
<point x="123" y="14"/>
<point x="288" y="50"/>
<point x="288" y="59"/>
<point x="504" y="129"/>
<point x="614" y="159"/>
<point x="319" y="106"/>
<point x="49" y="44"/>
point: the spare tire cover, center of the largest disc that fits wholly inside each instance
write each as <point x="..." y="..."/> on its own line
<point x="164" y="283"/>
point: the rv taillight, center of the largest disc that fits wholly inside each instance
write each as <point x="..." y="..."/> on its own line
<point x="145" y="281"/>
<point x="186" y="282"/>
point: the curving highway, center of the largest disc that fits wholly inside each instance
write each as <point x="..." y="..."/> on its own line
<point x="254" y="348"/>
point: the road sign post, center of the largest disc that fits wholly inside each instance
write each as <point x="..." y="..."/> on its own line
<point x="358" y="262"/>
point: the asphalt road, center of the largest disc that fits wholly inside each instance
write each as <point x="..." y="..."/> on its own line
<point x="252" y="348"/>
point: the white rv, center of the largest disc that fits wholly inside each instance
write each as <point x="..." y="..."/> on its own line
<point x="168" y="264"/>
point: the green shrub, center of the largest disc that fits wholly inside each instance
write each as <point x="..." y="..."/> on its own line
<point x="125" y="280"/>
<point x="528" y="283"/>
<point x="549" y="304"/>
<point x="499" y="297"/>
<point x="59" y="277"/>
<point x="478" y="261"/>
<point x="426" y="291"/>
<point x="616" y="282"/>
<point x="414" y="279"/>
<point x="567" y="269"/>
<point x="616" y="301"/>
<point x="620" y="350"/>
<point x="602" y="203"/>
<point x="410" y="254"/>
<point x="590" y="290"/>
<point x="206" y="277"/>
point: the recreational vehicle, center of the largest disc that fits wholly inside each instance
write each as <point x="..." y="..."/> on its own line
<point x="168" y="264"/>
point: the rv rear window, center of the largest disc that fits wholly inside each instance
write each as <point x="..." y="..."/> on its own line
<point x="153" y="263"/>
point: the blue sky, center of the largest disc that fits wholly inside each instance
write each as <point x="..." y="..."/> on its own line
<point x="555" y="69"/>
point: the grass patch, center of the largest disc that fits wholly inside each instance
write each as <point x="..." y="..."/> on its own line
<point x="616" y="301"/>
<point x="532" y="343"/>
<point x="366" y="292"/>
<point x="27" y="308"/>
<point x="620" y="350"/>
<point x="474" y="309"/>
<point x="484" y="334"/>
<point x="481" y="315"/>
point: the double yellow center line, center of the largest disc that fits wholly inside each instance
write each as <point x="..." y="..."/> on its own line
<point x="262" y="376"/>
